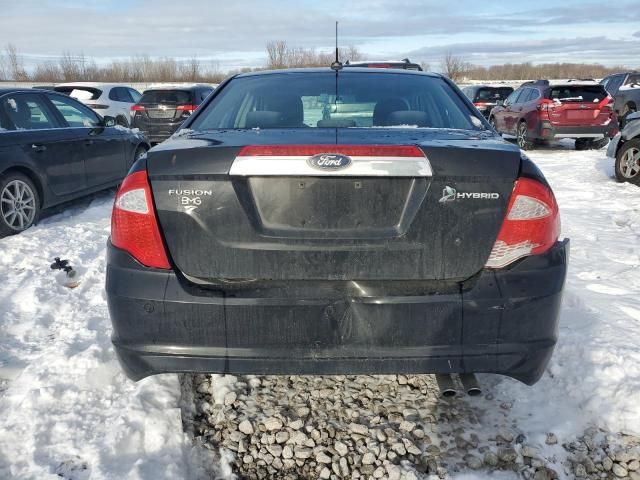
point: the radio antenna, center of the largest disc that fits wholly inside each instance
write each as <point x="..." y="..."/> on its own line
<point x="336" y="65"/>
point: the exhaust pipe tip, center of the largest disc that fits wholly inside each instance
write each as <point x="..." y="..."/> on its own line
<point x="446" y="385"/>
<point x="470" y="384"/>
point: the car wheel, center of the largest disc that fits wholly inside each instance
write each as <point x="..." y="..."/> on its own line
<point x="628" y="110"/>
<point x="582" y="143"/>
<point x="628" y="162"/>
<point x="19" y="203"/>
<point x="139" y="153"/>
<point x="122" y="121"/>
<point x="598" y="144"/>
<point x="522" y="137"/>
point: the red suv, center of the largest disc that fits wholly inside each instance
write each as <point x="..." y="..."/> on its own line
<point x="546" y="110"/>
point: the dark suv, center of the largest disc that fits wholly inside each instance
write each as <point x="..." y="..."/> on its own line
<point x="546" y="110"/>
<point x="161" y="111"/>
<point x="625" y="89"/>
<point x="485" y="97"/>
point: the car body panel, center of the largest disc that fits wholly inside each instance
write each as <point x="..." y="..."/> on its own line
<point x="272" y="272"/>
<point x="65" y="162"/>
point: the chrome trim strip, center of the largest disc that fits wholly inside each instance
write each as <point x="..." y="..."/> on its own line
<point x="579" y="135"/>
<point x="294" y="166"/>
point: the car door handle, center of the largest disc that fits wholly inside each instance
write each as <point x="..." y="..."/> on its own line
<point x="88" y="143"/>
<point x="38" y="148"/>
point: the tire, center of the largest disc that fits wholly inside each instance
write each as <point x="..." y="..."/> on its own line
<point x="590" y="144"/>
<point x="19" y="203"/>
<point x="627" y="166"/>
<point x="139" y="151"/>
<point x="522" y="136"/>
<point x="122" y="121"/>
<point x="628" y="110"/>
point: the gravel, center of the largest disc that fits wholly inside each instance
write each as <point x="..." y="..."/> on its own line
<point x="392" y="427"/>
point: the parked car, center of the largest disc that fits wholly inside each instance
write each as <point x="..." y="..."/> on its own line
<point x="625" y="150"/>
<point x="268" y="239"/>
<point x="404" y="64"/>
<point x="485" y="97"/>
<point x="161" y="111"/>
<point x="54" y="149"/>
<point x="625" y="89"/>
<point x="546" y="110"/>
<point x="114" y="100"/>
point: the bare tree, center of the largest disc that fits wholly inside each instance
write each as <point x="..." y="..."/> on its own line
<point x="14" y="63"/>
<point x="454" y="67"/>
<point x="276" y="54"/>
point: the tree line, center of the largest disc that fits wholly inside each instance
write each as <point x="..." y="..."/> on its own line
<point x="143" y="68"/>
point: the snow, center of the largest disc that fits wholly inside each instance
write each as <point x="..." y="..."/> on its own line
<point x="66" y="408"/>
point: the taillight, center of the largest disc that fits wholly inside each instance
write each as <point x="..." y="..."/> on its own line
<point x="137" y="108"/>
<point x="134" y="227"/>
<point x="545" y="105"/>
<point x="531" y="227"/>
<point x="186" y="108"/>
<point x="481" y="104"/>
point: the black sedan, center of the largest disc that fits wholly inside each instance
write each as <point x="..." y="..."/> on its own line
<point x="54" y="149"/>
<point x="293" y="230"/>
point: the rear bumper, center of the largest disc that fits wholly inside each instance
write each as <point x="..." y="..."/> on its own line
<point x="503" y="321"/>
<point x="156" y="132"/>
<point x="547" y="131"/>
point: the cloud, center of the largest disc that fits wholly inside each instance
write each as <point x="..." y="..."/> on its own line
<point x="235" y="33"/>
<point x="599" y="49"/>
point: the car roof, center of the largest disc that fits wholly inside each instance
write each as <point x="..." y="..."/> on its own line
<point x="91" y="84"/>
<point x="491" y="85"/>
<point x="347" y="71"/>
<point x="5" y="90"/>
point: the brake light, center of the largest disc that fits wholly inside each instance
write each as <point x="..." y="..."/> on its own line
<point x="531" y="227"/>
<point x="482" y="104"/>
<point x="378" y="65"/>
<point x="137" y="108"/>
<point x="134" y="227"/>
<point x="186" y="108"/>
<point x="353" y="150"/>
<point x="545" y="105"/>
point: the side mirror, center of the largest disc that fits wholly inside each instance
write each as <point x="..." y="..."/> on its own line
<point x="108" y="121"/>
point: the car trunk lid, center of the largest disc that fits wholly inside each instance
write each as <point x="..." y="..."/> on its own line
<point x="579" y="105"/>
<point x="419" y="206"/>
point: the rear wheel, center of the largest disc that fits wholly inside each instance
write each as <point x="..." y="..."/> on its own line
<point x="628" y="110"/>
<point x="591" y="144"/>
<point x="122" y="121"/>
<point x="139" y="153"/>
<point x="628" y="162"/>
<point x="19" y="203"/>
<point x="523" y="136"/>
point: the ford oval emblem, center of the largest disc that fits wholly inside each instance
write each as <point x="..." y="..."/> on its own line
<point x="329" y="161"/>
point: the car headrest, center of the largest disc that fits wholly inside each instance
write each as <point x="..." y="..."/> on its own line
<point x="263" y="119"/>
<point x="289" y="106"/>
<point x="384" y="108"/>
<point x="19" y="113"/>
<point x="408" y="117"/>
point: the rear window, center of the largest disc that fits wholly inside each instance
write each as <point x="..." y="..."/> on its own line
<point x="180" y="97"/>
<point x="350" y="99"/>
<point x="577" y="93"/>
<point x="492" y="94"/>
<point x="80" y="93"/>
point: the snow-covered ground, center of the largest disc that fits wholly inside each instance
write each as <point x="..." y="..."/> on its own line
<point x="67" y="410"/>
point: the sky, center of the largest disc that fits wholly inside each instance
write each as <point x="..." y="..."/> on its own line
<point x="233" y="34"/>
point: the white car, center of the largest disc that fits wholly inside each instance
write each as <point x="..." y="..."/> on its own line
<point x="111" y="99"/>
